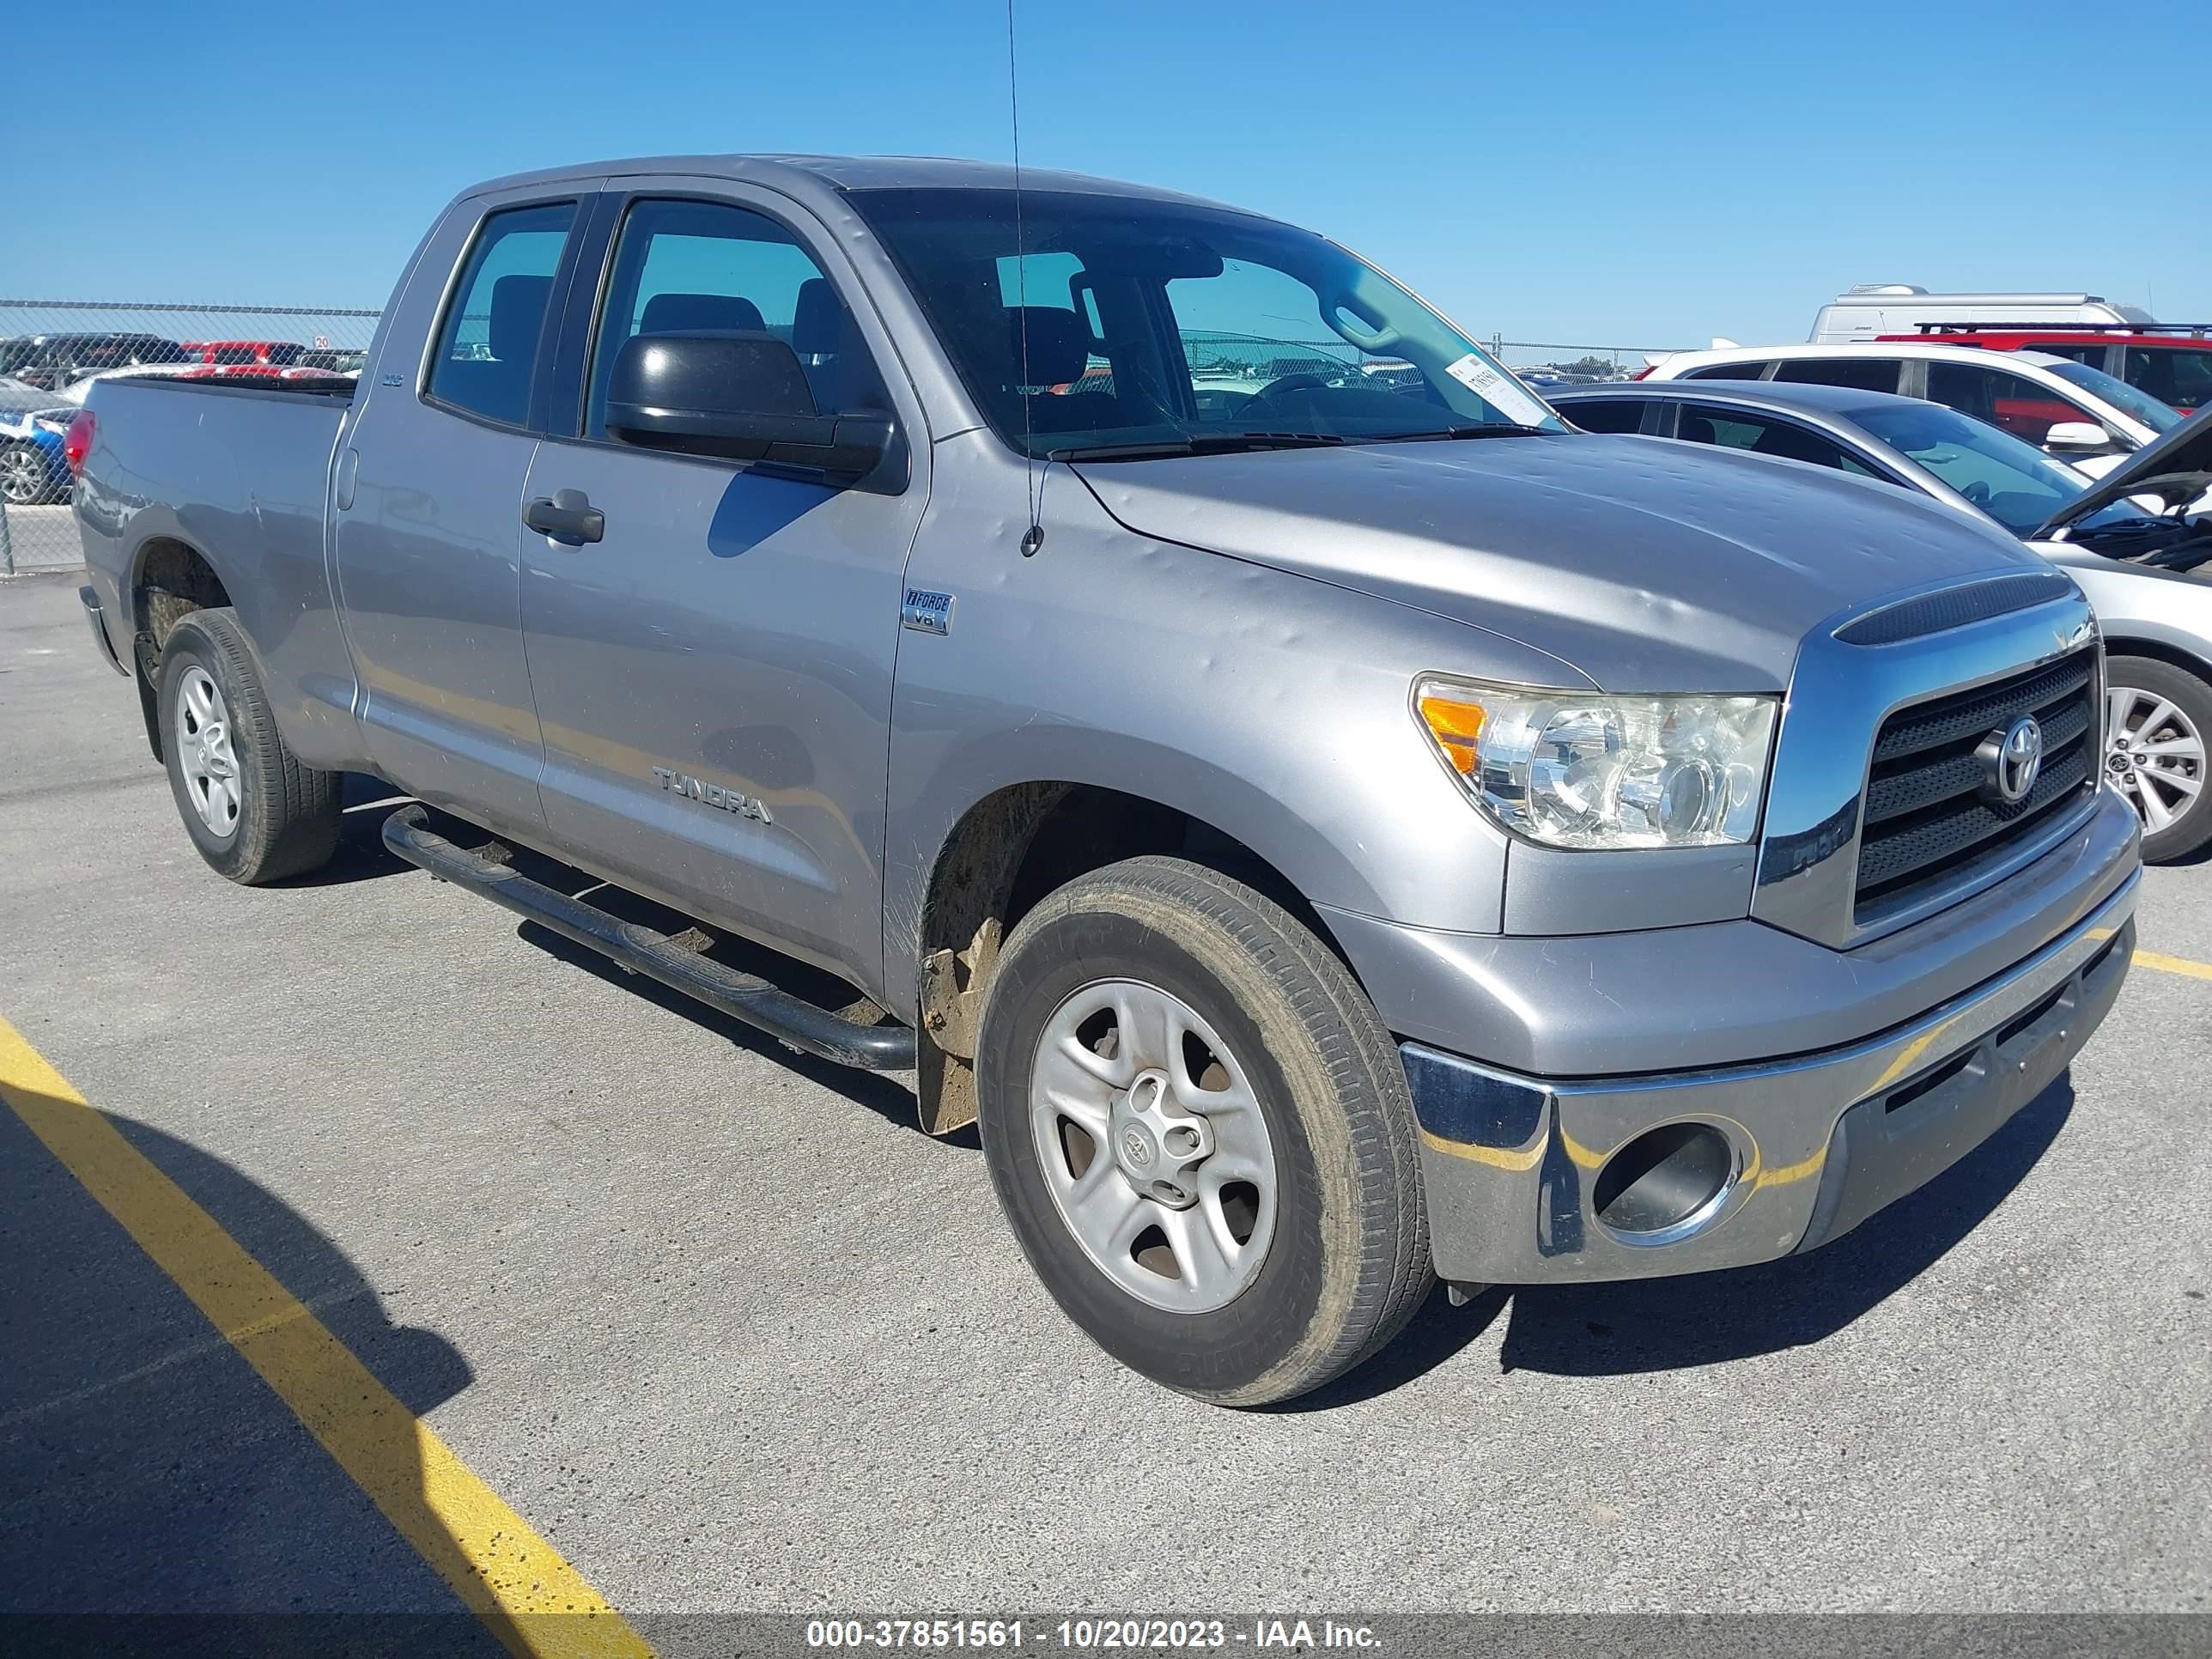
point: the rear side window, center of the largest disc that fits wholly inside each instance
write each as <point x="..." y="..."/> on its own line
<point x="705" y="267"/>
<point x="487" y="345"/>
<point x="1862" y="373"/>
<point x="1730" y="372"/>
<point x="2178" y="375"/>
<point x="1612" y="414"/>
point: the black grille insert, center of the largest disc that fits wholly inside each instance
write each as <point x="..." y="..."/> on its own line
<point x="1926" y="817"/>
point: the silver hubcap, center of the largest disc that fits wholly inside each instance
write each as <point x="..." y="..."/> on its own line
<point x="1153" y="1147"/>
<point x="22" y="475"/>
<point x="204" y="754"/>
<point x="2153" y="754"/>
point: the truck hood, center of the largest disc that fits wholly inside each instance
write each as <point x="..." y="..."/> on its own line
<point x="2176" y="467"/>
<point x="1647" y="564"/>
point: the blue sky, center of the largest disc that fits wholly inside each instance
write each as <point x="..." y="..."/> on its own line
<point x="1628" y="174"/>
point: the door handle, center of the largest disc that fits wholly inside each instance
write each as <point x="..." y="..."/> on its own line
<point x="568" y="518"/>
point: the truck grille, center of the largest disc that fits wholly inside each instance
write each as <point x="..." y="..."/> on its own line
<point x="1926" y="819"/>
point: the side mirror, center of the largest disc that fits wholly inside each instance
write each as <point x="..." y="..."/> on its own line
<point x="2076" y="437"/>
<point x="740" y="395"/>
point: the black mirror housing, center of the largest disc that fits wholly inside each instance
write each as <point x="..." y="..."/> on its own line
<point x="739" y="395"/>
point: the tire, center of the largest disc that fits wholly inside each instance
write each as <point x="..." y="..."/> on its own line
<point x="1288" y="1042"/>
<point x="26" y="476"/>
<point x="2171" y="708"/>
<point x="271" y="816"/>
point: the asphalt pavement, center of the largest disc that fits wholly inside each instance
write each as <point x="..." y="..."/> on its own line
<point x="731" y="1334"/>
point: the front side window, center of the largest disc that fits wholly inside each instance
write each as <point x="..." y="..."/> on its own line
<point x="1094" y="324"/>
<point x="703" y="267"/>
<point x="1765" y="435"/>
<point x="487" y="345"/>
<point x="2157" y="415"/>
<point x="2005" y="398"/>
<point x="2180" y="376"/>
<point x="2012" y="481"/>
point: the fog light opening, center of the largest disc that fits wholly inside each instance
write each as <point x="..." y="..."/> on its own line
<point x="1664" y="1182"/>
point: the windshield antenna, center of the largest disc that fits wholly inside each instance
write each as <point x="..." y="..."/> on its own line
<point x="1032" y="538"/>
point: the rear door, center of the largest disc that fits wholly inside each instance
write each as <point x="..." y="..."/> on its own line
<point x="713" y="675"/>
<point x="426" y="519"/>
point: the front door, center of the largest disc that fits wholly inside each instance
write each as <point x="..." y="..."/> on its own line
<point x="428" y="543"/>
<point x="713" y="675"/>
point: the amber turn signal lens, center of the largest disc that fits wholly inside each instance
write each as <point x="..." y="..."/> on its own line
<point x="1455" y="726"/>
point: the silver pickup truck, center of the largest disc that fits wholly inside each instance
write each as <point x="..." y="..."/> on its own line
<point x="1330" y="822"/>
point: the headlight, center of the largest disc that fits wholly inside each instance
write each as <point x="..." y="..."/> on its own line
<point x="1594" y="771"/>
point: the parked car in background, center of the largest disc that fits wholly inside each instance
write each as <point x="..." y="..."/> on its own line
<point x="1874" y="309"/>
<point x="32" y="471"/>
<point x="2148" y="576"/>
<point x="2069" y="410"/>
<point x="336" y="362"/>
<point x="2171" y="363"/>
<point x="49" y="360"/>
<point x="282" y="354"/>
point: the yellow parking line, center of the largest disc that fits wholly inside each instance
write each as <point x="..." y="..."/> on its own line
<point x="2166" y="964"/>
<point x="537" y="1604"/>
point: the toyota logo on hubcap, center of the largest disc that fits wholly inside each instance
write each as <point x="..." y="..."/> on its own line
<point x="2011" y="761"/>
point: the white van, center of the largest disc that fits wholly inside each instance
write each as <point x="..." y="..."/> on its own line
<point x="1873" y="309"/>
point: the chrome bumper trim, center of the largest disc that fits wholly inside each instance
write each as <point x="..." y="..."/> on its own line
<point x="1508" y="1161"/>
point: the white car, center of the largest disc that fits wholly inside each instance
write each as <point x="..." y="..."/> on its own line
<point x="2072" y="412"/>
<point x="1876" y="308"/>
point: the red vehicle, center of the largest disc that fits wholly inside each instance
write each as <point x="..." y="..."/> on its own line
<point x="278" y="354"/>
<point x="2172" y="362"/>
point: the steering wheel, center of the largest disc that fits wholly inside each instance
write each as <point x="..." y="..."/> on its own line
<point x="1305" y="380"/>
<point x="1977" y="492"/>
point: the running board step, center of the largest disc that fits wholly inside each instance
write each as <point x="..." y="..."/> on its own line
<point x="791" y="1020"/>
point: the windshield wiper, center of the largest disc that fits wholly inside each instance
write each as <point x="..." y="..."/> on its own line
<point x="1478" y="429"/>
<point x="1198" y="443"/>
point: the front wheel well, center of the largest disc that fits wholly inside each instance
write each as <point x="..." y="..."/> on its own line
<point x="1007" y="853"/>
<point x="2159" y="651"/>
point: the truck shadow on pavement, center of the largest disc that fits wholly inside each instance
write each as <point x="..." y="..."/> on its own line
<point x="1705" y="1319"/>
<point x="161" y="1496"/>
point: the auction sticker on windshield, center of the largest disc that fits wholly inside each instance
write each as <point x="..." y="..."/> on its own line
<point x="1498" y="389"/>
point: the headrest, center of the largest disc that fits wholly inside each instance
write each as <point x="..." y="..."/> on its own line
<point x="696" y="313"/>
<point x="1059" y="344"/>
<point x="518" y="313"/>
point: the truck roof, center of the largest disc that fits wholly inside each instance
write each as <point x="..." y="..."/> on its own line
<point x="805" y="176"/>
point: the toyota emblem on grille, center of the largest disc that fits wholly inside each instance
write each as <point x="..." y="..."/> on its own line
<point x="2011" y="761"/>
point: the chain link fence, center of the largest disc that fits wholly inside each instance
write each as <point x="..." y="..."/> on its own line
<point x="51" y="351"/>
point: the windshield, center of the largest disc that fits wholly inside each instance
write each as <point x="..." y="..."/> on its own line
<point x="2158" y="417"/>
<point x="2012" y="481"/>
<point x="1161" y="328"/>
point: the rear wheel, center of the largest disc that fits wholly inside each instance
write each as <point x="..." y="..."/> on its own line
<point x="255" y="812"/>
<point x="1200" y="1134"/>
<point x="2157" y="719"/>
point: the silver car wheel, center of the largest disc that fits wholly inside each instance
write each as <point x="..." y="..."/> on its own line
<point x="204" y="754"/>
<point x="1153" y="1145"/>
<point x="2154" y="754"/>
<point x="24" y="477"/>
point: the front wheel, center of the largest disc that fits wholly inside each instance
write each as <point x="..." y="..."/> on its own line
<point x="2157" y="718"/>
<point x="1200" y="1134"/>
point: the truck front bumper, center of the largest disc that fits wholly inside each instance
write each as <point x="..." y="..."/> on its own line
<point x="1532" y="1179"/>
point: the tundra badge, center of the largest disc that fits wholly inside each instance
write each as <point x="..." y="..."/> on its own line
<point x="713" y="795"/>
